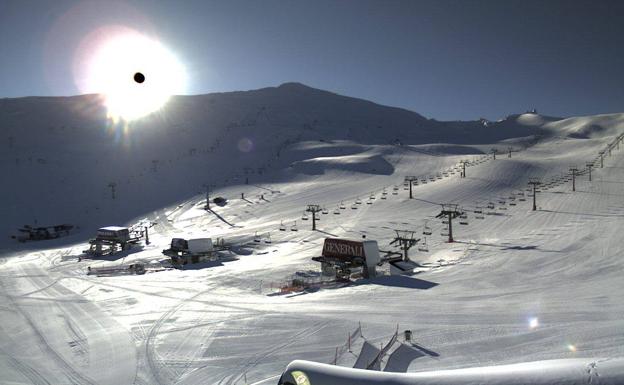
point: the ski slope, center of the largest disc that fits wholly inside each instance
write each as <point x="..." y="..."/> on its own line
<point x="471" y="303"/>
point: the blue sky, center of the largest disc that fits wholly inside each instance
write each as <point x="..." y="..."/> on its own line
<point x="444" y="59"/>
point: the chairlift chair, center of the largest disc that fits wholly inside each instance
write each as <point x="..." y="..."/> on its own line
<point x="426" y="229"/>
<point x="342" y="206"/>
<point x="256" y="238"/>
<point x="267" y="240"/>
<point x="304" y="217"/>
<point x="294" y="226"/>
<point x="282" y="227"/>
<point x="325" y="211"/>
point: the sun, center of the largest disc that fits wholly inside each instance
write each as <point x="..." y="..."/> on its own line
<point x="136" y="75"/>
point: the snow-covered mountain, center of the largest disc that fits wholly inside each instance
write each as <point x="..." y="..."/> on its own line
<point x="516" y="286"/>
<point x="61" y="154"/>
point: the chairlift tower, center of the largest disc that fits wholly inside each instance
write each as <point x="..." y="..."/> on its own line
<point x="574" y="171"/>
<point x="601" y="159"/>
<point x="405" y="239"/>
<point x="451" y="211"/>
<point x="494" y="151"/>
<point x="463" y="163"/>
<point x="534" y="182"/>
<point x="510" y="150"/>
<point x="313" y="209"/>
<point x="410" y="179"/>
<point x="589" y="168"/>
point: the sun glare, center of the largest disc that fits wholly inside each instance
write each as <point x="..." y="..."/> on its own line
<point x="136" y="75"/>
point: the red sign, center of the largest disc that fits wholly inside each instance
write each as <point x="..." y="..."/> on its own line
<point x="342" y="248"/>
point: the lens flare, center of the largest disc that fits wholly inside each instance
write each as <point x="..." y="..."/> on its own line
<point x="533" y="323"/>
<point x="136" y="75"/>
<point x="571" y="348"/>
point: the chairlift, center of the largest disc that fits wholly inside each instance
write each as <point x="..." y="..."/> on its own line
<point x="423" y="181"/>
<point x="342" y="206"/>
<point x="304" y="217"/>
<point x="282" y="227"/>
<point x="502" y="208"/>
<point x="384" y="196"/>
<point x="294" y="226"/>
<point x="522" y="199"/>
<point x="463" y="222"/>
<point x="427" y="230"/>
<point x="479" y="217"/>
<point x="325" y="211"/>
<point x="337" y="211"/>
<point x="512" y="203"/>
<point x="423" y="246"/>
<point x="445" y="222"/>
<point x="478" y="210"/>
<point x="490" y="205"/>
<point x="463" y="216"/>
<point x="395" y="188"/>
<point x="256" y="238"/>
<point x="358" y="201"/>
<point x="267" y="240"/>
<point x="372" y="197"/>
<point x="384" y="192"/>
<point x="354" y="207"/>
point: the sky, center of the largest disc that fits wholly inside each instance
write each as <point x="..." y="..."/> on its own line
<point x="448" y="60"/>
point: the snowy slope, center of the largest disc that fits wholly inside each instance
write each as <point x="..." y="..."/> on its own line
<point x="60" y="154"/>
<point x="470" y="305"/>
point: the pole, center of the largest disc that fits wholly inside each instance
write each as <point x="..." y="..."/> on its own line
<point x="147" y="242"/>
<point x="313" y="220"/>
<point x="534" y="205"/>
<point x="411" y="196"/>
<point x="450" y="227"/>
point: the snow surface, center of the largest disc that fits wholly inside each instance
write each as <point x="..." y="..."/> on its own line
<point x="470" y="305"/>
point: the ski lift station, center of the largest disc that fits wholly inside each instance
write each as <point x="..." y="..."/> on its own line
<point x="343" y="258"/>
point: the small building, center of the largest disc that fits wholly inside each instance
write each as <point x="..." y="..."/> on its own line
<point x="343" y="257"/>
<point x="184" y="251"/>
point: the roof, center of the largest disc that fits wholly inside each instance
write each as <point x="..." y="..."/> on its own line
<point x="404" y="265"/>
<point x="113" y="228"/>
